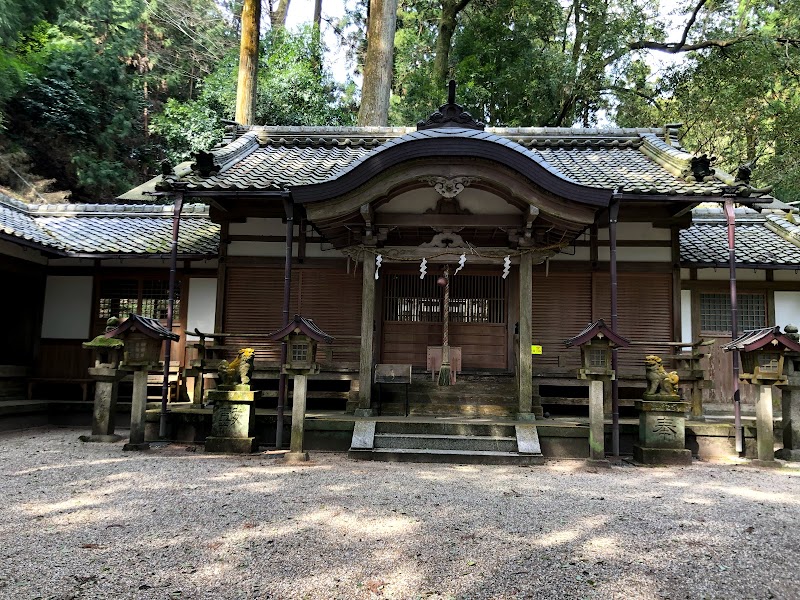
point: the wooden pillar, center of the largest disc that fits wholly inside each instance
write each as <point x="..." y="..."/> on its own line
<point x="367" y="329"/>
<point x="524" y="377"/>
<point x="764" y="425"/>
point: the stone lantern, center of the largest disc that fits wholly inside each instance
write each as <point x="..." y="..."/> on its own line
<point x="143" y="339"/>
<point x="106" y="374"/>
<point x="301" y="336"/>
<point x="596" y="342"/>
<point x="762" y="355"/>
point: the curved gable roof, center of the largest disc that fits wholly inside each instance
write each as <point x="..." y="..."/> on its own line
<point x="452" y="142"/>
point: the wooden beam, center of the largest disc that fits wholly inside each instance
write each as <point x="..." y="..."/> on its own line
<point x="482" y="221"/>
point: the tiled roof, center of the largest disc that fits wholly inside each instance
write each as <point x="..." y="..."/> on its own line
<point x="73" y="229"/>
<point x="761" y="239"/>
<point x="637" y="161"/>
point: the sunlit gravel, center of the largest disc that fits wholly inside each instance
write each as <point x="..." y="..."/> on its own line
<point x="89" y="521"/>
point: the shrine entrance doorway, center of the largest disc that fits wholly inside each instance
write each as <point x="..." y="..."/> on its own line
<point x="411" y="317"/>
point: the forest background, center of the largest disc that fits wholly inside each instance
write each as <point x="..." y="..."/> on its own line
<point x="94" y="94"/>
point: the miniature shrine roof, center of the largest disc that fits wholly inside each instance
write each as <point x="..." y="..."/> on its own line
<point x="305" y="326"/>
<point x="103" y="229"/>
<point x="598" y="329"/>
<point x="758" y="338"/>
<point x="149" y="327"/>
<point x="281" y="159"/>
<point x="767" y="239"/>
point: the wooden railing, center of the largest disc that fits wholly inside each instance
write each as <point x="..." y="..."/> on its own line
<point x="336" y="360"/>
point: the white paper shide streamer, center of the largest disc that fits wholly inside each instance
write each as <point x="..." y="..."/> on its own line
<point x="462" y="260"/>
<point x="378" y="262"/>
<point x="423" y="268"/>
<point x="506" y="266"/>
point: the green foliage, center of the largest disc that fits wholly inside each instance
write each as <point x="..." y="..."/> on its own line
<point x="186" y="127"/>
<point x="292" y="90"/>
<point x="740" y="104"/>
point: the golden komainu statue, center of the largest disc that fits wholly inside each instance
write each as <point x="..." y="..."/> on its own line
<point x="239" y="370"/>
<point x="658" y="380"/>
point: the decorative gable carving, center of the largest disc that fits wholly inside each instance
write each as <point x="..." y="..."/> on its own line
<point x="451" y="115"/>
<point x="449" y="187"/>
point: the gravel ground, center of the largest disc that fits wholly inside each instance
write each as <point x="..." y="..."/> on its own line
<point x="89" y="521"/>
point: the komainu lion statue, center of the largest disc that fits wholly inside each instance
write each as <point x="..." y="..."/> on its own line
<point x="658" y="380"/>
<point x="239" y="370"/>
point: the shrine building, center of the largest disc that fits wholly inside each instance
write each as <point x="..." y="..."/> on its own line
<point x="535" y="226"/>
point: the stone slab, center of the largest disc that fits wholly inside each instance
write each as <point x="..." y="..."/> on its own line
<point x="527" y="417"/>
<point x="447" y="456"/>
<point x="662" y="456"/>
<point x="108" y="439"/>
<point x="788" y="454"/>
<point x="662" y="429"/>
<point x="296" y="457"/>
<point x="232" y="396"/>
<point x="231" y="445"/>
<point x="135" y="447"/>
<point x="662" y="403"/>
<point x="363" y="435"/>
<point x="233" y="419"/>
<point x="528" y="439"/>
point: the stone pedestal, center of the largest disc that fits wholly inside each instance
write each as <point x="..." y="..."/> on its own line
<point x="765" y="430"/>
<point x="233" y="420"/>
<point x="296" y="452"/>
<point x="790" y="412"/>
<point x="138" y="411"/>
<point x="662" y="431"/>
<point x="105" y="404"/>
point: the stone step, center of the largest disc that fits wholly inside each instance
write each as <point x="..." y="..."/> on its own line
<point x="423" y="441"/>
<point x="445" y="428"/>
<point x="447" y="456"/>
<point x="449" y="409"/>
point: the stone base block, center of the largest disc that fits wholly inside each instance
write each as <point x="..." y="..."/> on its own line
<point x="602" y="464"/>
<point x="296" y="457"/>
<point x="100" y="438"/>
<point x="662" y="456"/>
<point x="787" y="454"/>
<point x="766" y="464"/>
<point x="364" y="412"/>
<point x="136" y="447"/>
<point x="227" y="445"/>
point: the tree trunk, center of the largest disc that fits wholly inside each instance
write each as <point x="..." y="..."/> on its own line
<point x="318" y="14"/>
<point x="447" y="27"/>
<point x="377" y="87"/>
<point x="248" y="63"/>
<point x="277" y="17"/>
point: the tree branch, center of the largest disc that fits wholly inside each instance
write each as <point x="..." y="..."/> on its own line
<point x="691" y="22"/>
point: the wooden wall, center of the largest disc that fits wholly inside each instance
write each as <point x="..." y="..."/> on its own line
<point x="322" y="291"/>
<point x="565" y="302"/>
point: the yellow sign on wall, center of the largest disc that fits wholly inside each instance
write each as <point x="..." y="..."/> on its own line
<point x="536" y="349"/>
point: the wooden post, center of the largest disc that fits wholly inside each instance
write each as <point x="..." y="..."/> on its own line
<point x="764" y="425"/>
<point x="597" y="450"/>
<point x="298" y="419"/>
<point x="367" y="325"/>
<point x="138" y="411"/>
<point x="525" y="374"/>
